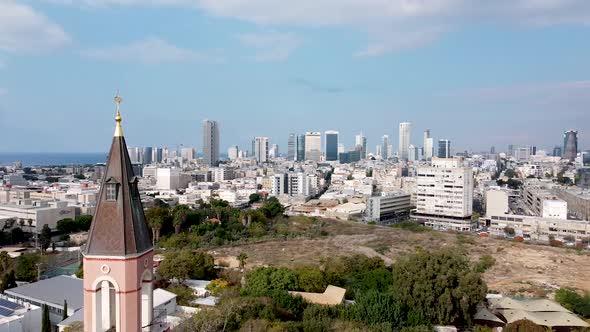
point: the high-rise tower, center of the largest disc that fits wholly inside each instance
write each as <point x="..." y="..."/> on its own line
<point x="570" y="145"/>
<point x="118" y="258"/>
<point x="211" y="142"/>
<point x="404" y="139"/>
<point x="331" y="145"/>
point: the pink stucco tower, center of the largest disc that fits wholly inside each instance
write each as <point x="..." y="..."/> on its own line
<point x="118" y="294"/>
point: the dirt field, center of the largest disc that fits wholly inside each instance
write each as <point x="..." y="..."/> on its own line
<point x="520" y="268"/>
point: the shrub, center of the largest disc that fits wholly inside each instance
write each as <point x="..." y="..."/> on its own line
<point x="485" y="262"/>
<point x="524" y="325"/>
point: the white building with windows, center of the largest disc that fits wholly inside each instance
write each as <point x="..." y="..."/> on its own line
<point x="444" y="195"/>
<point x="313" y="146"/>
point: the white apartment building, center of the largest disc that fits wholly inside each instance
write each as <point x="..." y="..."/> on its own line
<point x="388" y="208"/>
<point x="221" y="174"/>
<point x="294" y="184"/>
<point x="260" y="146"/>
<point x="313" y="146"/>
<point x="444" y="195"/>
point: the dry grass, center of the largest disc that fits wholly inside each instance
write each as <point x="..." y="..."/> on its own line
<point x="519" y="269"/>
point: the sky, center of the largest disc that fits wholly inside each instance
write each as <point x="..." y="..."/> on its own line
<point x="480" y="73"/>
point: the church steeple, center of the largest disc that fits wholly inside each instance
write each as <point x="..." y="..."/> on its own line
<point x="118" y="258"/>
<point x="118" y="227"/>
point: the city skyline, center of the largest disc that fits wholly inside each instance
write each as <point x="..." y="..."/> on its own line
<point x="442" y="68"/>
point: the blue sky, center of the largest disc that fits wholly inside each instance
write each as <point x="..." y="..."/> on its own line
<point x="478" y="72"/>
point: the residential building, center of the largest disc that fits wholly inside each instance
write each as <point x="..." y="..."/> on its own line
<point x="313" y="146"/>
<point x="331" y="138"/>
<point x="444" y="148"/>
<point x="405" y="129"/>
<point x="260" y="148"/>
<point x="388" y="208"/>
<point x="570" y="145"/>
<point x="444" y="195"/>
<point x="210" y="143"/>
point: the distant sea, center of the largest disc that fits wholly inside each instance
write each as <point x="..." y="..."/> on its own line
<point x="52" y="159"/>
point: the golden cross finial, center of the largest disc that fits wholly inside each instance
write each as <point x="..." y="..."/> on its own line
<point x="118" y="128"/>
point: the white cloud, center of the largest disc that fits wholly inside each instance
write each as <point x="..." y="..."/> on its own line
<point x="390" y="24"/>
<point x="271" y="46"/>
<point x="22" y="29"/>
<point x="149" y="51"/>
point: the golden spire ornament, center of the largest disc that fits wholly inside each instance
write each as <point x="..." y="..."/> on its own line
<point x="118" y="128"/>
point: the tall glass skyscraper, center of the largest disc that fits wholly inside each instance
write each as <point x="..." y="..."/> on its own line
<point x="404" y="139"/>
<point x="331" y="145"/>
<point x="385" y="147"/>
<point x="444" y="148"/>
<point x="570" y="145"/>
<point x="147" y="155"/>
<point x="291" y="146"/>
<point x="211" y="142"/>
<point x="300" y="147"/>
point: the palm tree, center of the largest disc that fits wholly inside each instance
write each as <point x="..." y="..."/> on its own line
<point x="4" y="259"/>
<point x="179" y="214"/>
<point x="156" y="224"/>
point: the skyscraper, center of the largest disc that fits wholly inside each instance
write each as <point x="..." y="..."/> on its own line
<point x="313" y="146"/>
<point x="493" y="150"/>
<point x="232" y="152"/>
<point x="570" y="145"/>
<point x="557" y="151"/>
<point x="412" y="153"/>
<point x="361" y="145"/>
<point x="428" y="145"/>
<point x="274" y="151"/>
<point x="211" y="142"/>
<point x="260" y="146"/>
<point x="331" y="145"/>
<point x="510" y="150"/>
<point x="444" y="148"/>
<point x="291" y="147"/>
<point x="385" y="147"/>
<point x="405" y="129"/>
<point x="147" y="155"/>
<point x="300" y="147"/>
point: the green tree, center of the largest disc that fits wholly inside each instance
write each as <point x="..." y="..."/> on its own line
<point x="26" y="267"/>
<point x="45" y="322"/>
<point x="64" y="315"/>
<point x="484" y="263"/>
<point x="83" y="222"/>
<point x="242" y="257"/>
<point x="272" y="208"/>
<point x="8" y="281"/>
<point x="263" y="280"/>
<point x="310" y="279"/>
<point x="187" y="264"/>
<point x="179" y="213"/>
<point x="510" y="173"/>
<point x="155" y="218"/>
<point x="45" y="237"/>
<point x="4" y="260"/>
<point x="253" y="198"/>
<point x="374" y="307"/>
<point x="438" y="287"/>
<point x="573" y="301"/>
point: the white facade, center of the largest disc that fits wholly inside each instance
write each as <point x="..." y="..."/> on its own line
<point x="405" y="129"/>
<point x="388" y="207"/>
<point x="313" y="146"/>
<point x="261" y="149"/>
<point x="428" y="145"/>
<point x="496" y="202"/>
<point x="167" y="178"/>
<point x="39" y="212"/>
<point x="232" y="152"/>
<point x="187" y="154"/>
<point x="554" y="208"/>
<point x="444" y="191"/>
<point x="274" y="151"/>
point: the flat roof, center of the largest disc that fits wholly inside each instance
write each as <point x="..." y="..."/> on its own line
<point x="52" y="291"/>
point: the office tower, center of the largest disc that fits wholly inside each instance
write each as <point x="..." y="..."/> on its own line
<point x="379" y="151"/>
<point x="341" y="148"/>
<point x="147" y="155"/>
<point x="331" y="145"/>
<point x="390" y="151"/>
<point x="444" y="148"/>
<point x="187" y="153"/>
<point x="361" y="145"/>
<point x="557" y="151"/>
<point x="510" y="150"/>
<point x="232" y="152"/>
<point x="211" y="142"/>
<point x="585" y="156"/>
<point x="420" y="153"/>
<point x="274" y="151"/>
<point x="260" y="145"/>
<point x="157" y="155"/>
<point x="291" y="147"/>
<point x="412" y="153"/>
<point x="385" y="147"/>
<point x="313" y="146"/>
<point x="135" y="155"/>
<point x="570" y="145"/>
<point x="444" y="195"/>
<point x="349" y="157"/>
<point x="405" y="129"/>
<point x="493" y="150"/>
<point x="522" y="153"/>
<point x="300" y="147"/>
<point x="533" y="150"/>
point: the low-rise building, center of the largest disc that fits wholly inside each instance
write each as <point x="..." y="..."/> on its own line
<point x="388" y="208"/>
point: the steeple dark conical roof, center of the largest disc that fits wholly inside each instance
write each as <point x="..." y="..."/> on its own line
<point x="118" y="227"/>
